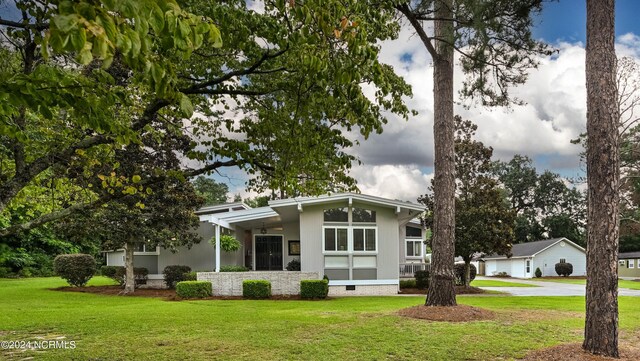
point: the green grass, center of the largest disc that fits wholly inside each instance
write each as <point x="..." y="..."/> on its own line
<point x="634" y="285"/>
<point x="356" y="328"/>
<point x="493" y="283"/>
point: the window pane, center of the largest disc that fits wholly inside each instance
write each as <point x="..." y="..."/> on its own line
<point x="358" y="239"/>
<point x="410" y="249"/>
<point x="417" y="248"/>
<point x="370" y="236"/>
<point x="329" y="239"/>
<point x="139" y="247"/>
<point x="364" y="215"/>
<point x="336" y="215"/>
<point x="414" y="232"/>
<point x="342" y="239"/>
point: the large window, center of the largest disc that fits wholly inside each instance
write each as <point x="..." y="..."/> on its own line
<point x="413" y="232"/>
<point x="414" y="248"/>
<point x="364" y="239"/>
<point x="144" y="248"/>
<point x="362" y="215"/>
<point x="336" y="215"/>
<point x="631" y="263"/>
<point x="336" y="239"/>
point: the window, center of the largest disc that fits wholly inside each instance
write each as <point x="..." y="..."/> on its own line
<point x="414" y="232"/>
<point x="622" y="263"/>
<point x="364" y="239"/>
<point x="414" y="247"/>
<point x="144" y="248"/>
<point x="631" y="263"/>
<point x="364" y="215"/>
<point x="527" y="266"/>
<point x="335" y="239"/>
<point x="563" y="260"/>
<point x="336" y="215"/>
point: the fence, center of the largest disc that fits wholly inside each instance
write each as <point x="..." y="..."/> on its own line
<point x="407" y="270"/>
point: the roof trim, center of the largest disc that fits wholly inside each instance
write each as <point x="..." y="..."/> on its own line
<point x="223" y="206"/>
<point x="248" y="215"/>
<point x="349" y="197"/>
<point x="540" y="251"/>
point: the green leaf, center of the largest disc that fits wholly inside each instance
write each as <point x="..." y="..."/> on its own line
<point x="78" y="38"/>
<point x="136" y="178"/>
<point x="65" y="22"/>
<point x="85" y="56"/>
<point x="215" y="38"/>
<point x="156" y="20"/>
<point x="185" y="106"/>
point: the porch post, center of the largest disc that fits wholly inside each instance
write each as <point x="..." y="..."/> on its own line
<point x="217" y="248"/>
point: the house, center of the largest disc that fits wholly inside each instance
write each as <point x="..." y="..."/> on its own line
<point x="359" y="242"/>
<point x="526" y="257"/>
<point x="629" y="265"/>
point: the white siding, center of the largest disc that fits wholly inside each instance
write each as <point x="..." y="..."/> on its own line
<point x="548" y="258"/>
<point x="517" y="267"/>
<point x="115" y="258"/>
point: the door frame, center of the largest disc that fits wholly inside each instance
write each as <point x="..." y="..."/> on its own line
<point x="528" y="274"/>
<point x="253" y="248"/>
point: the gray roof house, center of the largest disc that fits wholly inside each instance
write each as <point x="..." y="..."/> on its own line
<point x="526" y="257"/>
<point x="629" y="265"/>
<point x="360" y="242"/>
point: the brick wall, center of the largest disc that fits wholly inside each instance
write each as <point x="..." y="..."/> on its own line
<point x="364" y="290"/>
<point x="282" y="282"/>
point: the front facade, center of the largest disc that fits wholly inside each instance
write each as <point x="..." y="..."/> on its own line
<point x="357" y="241"/>
<point x="527" y="257"/>
<point x="629" y="265"/>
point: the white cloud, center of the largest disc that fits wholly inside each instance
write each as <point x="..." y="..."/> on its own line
<point x="392" y="181"/>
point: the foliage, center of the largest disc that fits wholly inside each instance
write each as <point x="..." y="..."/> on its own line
<point x="174" y="274"/>
<point x="538" y="273"/>
<point x="408" y="283"/>
<point x="194" y="289"/>
<point x="191" y="276"/>
<point x="211" y="191"/>
<point x="314" y="289"/>
<point x="118" y="274"/>
<point x="422" y="279"/>
<point x="233" y="268"/>
<point x="256" y="289"/>
<point x="564" y="269"/>
<point x="259" y="201"/>
<point x="460" y="271"/>
<point x="76" y="269"/>
<point x="293" y="265"/>
<point x="502" y="274"/>
<point x="228" y="243"/>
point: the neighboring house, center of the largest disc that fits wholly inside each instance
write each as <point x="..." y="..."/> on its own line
<point x="360" y="242"/>
<point x="629" y="265"/>
<point x="526" y="257"/>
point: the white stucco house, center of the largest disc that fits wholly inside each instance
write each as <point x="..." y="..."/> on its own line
<point x="361" y="242"/>
<point x="526" y="257"/>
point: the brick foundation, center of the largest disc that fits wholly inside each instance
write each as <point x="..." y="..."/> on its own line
<point x="282" y="282"/>
<point x="364" y="290"/>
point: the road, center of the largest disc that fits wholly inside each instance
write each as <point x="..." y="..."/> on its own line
<point x="547" y="288"/>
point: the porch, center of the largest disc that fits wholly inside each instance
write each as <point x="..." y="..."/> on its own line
<point x="407" y="270"/>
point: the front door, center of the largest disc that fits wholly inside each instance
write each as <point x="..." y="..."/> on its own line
<point x="268" y="253"/>
<point x="527" y="268"/>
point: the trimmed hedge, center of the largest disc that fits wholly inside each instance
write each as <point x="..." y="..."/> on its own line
<point x="118" y="274"/>
<point x="410" y="283"/>
<point x="76" y="269"/>
<point x="233" y="269"/>
<point x="564" y="269"/>
<point x="256" y="289"/>
<point x="458" y="268"/>
<point x="294" y="265"/>
<point x="310" y="289"/>
<point x="422" y="279"/>
<point x="190" y="276"/>
<point x="174" y="274"/>
<point x="194" y="289"/>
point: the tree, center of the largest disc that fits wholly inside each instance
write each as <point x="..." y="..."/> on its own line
<point x="603" y="172"/>
<point x="286" y="82"/>
<point x="211" y="191"/>
<point x="496" y="48"/>
<point x="484" y="219"/>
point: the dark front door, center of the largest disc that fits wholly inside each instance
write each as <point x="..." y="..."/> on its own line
<point x="268" y="253"/>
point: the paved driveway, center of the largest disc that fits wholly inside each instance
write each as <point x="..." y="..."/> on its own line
<point x="547" y="288"/>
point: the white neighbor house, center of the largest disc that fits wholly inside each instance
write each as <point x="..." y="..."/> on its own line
<point x="362" y="243"/>
<point x="526" y="257"/>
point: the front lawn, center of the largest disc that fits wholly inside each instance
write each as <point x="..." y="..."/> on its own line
<point x="634" y="285"/>
<point x="356" y="328"/>
<point x="493" y="283"/>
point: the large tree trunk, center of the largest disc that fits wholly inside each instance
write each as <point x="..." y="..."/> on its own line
<point x="129" y="279"/>
<point x="441" y="288"/>
<point x="601" y="326"/>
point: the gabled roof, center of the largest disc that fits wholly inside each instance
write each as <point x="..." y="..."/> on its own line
<point x="301" y="201"/>
<point x="628" y="255"/>
<point x="530" y="249"/>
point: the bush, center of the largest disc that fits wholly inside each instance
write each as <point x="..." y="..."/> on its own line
<point x="502" y="274"/>
<point x="538" y="273"/>
<point x="422" y="279"/>
<point x="194" y="289"/>
<point x="564" y="269"/>
<point x="311" y="289"/>
<point x="458" y="268"/>
<point x="118" y="274"/>
<point x="233" y="269"/>
<point x="294" y="265"/>
<point x="410" y="283"/>
<point x="228" y="243"/>
<point x="190" y="276"/>
<point x="76" y="269"/>
<point x="174" y="274"/>
<point x="256" y="289"/>
<point x="109" y="271"/>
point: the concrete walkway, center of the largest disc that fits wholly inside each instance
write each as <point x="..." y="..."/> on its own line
<point x="547" y="288"/>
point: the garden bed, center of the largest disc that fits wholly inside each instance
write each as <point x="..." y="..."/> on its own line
<point x="574" y="352"/>
<point x="459" y="313"/>
<point x="460" y="290"/>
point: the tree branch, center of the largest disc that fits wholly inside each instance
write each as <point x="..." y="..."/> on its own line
<point x="426" y="40"/>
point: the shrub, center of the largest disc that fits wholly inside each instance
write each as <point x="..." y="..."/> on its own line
<point x="422" y="279"/>
<point x="233" y="269"/>
<point x="174" y="274"/>
<point x="458" y="268"/>
<point x="294" y="265"/>
<point x="410" y="283"/>
<point x="109" y="271"/>
<point x="76" y="269"/>
<point x="502" y="274"/>
<point x="564" y="269"/>
<point x="193" y="289"/>
<point x="228" y="243"/>
<point x="311" y="289"/>
<point x="256" y="289"/>
<point x="190" y="276"/>
<point x="118" y="274"/>
<point x="538" y="273"/>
